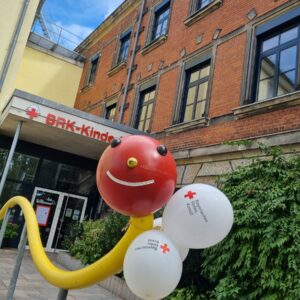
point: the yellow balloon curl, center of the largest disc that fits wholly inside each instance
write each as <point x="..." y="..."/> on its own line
<point x="103" y="268"/>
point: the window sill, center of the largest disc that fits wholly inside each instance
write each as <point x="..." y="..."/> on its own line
<point x="154" y="44"/>
<point x="117" y="68"/>
<point x="199" y="14"/>
<point x="267" y="105"/>
<point x="177" y="128"/>
<point x="87" y="87"/>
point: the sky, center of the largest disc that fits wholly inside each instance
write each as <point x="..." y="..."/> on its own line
<point x="79" y="17"/>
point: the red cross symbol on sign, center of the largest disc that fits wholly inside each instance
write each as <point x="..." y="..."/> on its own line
<point x="165" y="248"/>
<point x="32" y="112"/>
<point x="190" y="195"/>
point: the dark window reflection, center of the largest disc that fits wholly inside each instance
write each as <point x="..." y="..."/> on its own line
<point x="3" y="157"/>
<point x="23" y="167"/>
<point x="64" y="177"/>
<point x="288" y="59"/>
<point x="289" y="35"/>
<point x="194" y="102"/>
<point x="267" y="77"/>
<point x="145" y="110"/>
<point x="203" y="3"/>
<point x="278" y="64"/>
<point x="161" y="19"/>
<point x="94" y="65"/>
<point x="270" y="43"/>
<point x="111" y="112"/>
<point x="12" y="189"/>
<point x="124" y="47"/>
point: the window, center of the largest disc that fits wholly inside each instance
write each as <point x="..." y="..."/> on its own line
<point x="93" y="70"/>
<point x="145" y="109"/>
<point x="3" y="157"/>
<point x="277" y="69"/>
<point x="23" y="167"/>
<point x="111" y="111"/>
<point x="203" y="3"/>
<point x="124" y="47"/>
<point x="199" y="9"/>
<point x="161" y="20"/>
<point x="55" y="175"/>
<point x="195" y="95"/>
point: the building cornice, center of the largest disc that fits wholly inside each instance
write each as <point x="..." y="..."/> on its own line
<point x="115" y="17"/>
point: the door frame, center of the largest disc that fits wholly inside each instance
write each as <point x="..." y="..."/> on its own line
<point x="54" y="224"/>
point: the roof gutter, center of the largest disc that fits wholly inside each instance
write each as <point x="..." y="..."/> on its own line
<point x="13" y="43"/>
<point x="131" y="63"/>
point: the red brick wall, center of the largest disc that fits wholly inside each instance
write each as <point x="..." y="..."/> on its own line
<point x="269" y="123"/>
<point x="227" y="72"/>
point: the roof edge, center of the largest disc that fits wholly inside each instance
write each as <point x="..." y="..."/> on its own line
<point x="106" y="23"/>
<point x="74" y="111"/>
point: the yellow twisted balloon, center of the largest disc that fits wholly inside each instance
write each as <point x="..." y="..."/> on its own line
<point x="105" y="267"/>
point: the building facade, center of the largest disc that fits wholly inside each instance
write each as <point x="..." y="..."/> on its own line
<point x="211" y="79"/>
<point x="33" y="63"/>
<point x="48" y="150"/>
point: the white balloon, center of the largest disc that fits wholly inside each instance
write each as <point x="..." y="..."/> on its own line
<point x="152" y="265"/>
<point x="183" y="251"/>
<point x="197" y="216"/>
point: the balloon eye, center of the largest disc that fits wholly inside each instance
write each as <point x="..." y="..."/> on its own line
<point x="162" y="150"/>
<point x="115" y="142"/>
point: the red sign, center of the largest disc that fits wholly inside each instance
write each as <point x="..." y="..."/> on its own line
<point x="84" y="130"/>
<point x="32" y="112"/>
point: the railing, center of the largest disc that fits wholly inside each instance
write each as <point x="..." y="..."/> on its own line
<point x="57" y="34"/>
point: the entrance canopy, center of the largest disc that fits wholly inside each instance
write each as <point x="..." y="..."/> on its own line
<point x="56" y="126"/>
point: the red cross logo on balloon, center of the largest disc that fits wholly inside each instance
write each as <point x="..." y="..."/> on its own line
<point x="190" y="195"/>
<point x="32" y="112"/>
<point x="165" y="248"/>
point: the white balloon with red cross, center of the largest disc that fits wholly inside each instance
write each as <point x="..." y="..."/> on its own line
<point x="183" y="251"/>
<point x="152" y="265"/>
<point x="197" y="216"/>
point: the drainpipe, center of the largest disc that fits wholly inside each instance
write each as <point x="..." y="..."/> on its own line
<point x="131" y="63"/>
<point x="13" y="43"/>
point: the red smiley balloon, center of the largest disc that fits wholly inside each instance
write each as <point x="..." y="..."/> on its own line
<point x="136" y="175"/>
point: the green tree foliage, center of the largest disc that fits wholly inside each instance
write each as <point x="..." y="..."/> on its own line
<point x="260" y="259"/>
<point x="188" y="293"/>
<point x="11" y="230"/>
<point x="96" y="237"/>
<point x="73" y="232"/>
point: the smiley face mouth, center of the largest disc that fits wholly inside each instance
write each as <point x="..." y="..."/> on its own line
<point x="127" y="183"/>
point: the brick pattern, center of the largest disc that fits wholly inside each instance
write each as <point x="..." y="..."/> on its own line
<point x="166" y="62"/>
<point x="256" y="126"/>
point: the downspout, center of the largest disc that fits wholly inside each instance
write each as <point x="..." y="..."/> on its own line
<point x="13" y="43"/>
<point x="131" y="63"/>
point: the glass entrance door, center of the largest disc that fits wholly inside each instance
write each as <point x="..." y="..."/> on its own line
<point x="55" y="211"/>
<point x="70" y="213"/>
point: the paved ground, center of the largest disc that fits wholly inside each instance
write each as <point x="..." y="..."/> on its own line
<point x="32" y="286"/>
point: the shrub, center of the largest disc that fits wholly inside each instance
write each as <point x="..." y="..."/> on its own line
<point x="98" y="237"/>
<point x="73" y="232"/>
<point x="188" y="293"/>
<point x="11" y="230"/>
<point x="260" y="258"/>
